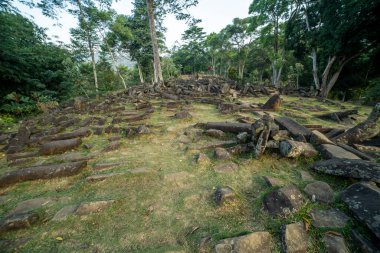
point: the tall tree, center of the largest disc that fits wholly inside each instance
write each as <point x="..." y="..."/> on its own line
<point x="270" y="16"/>
<point x="241" y="38"/>
<point x="163" y="7"/>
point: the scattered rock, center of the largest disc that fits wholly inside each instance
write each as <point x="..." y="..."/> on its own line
<point x="294" y="238"/>
<point x="18" y="220"/>
<point x="363" y="201"/>
<point x="242" y="137"/>
<point x="305" y="176"/>
<point x="103" y="166"/>
<point x="182" y="115"/>
<point x="318" y="138"/>
<point x="30" y="205"/>
<point x="56" y="147"/>
<point x="349" y="168"/>
<point x="65" y="212"/>
<point x="283" y="201"/>
<point x="143" y="130"/>
<point x="289" y="148"/>
<point x="273" y="182"/>
<point x="184" y="139"/>
<point x="202" y="159"/>
<point x="330" y="151"/>
<point x="335" y="243"/>
<point x="223" y="194"/>
<point x="274" y="103"/>
<point x="42" y="172"/>
<point x="96" y="178"/>
<point x="222" y="154"/>
<point x="214" y="133"/>
<point x="226" y="167"/>
<point x="112" y="146"/>
<point x="93" y="207"/>
<point x="331" y="218"/>
<point x="319" y="191"/>
<point x="258" y="242"/>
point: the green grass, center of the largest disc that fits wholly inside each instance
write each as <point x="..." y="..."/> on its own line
<point x="155" y="214"/>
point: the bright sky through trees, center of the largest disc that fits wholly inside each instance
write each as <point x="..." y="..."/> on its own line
<point x="215" y="15"/>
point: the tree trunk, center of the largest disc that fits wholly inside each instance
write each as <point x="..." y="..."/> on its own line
<point x="315" y="69"/>
<point x="114" y="61"/>
<point x="140" y="73"/>
<point x="156" y="55"/>
<point x="325" y="75"/>
<point x="90" y="47"/>
<point x="313" y="52"/>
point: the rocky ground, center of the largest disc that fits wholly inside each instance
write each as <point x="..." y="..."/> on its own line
<point x="200" y="168"/>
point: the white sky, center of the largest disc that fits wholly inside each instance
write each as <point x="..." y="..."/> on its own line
<point x="215" y="15"/>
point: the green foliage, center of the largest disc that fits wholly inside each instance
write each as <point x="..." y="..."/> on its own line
<point x="31" y="69"/>
<point x="372" y="93"/>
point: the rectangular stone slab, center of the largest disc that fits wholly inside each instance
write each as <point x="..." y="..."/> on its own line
<point x="293" y="127"/>
<point x="42" y="172"/>
<point x="363" y="200"/>
<point x="329" y="151"/>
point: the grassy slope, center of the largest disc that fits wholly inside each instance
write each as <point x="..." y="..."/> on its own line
<point x="154" y="212"/>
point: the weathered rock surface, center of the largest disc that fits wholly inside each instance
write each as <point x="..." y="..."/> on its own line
<point x="349" y="168"/>
<point x="223" y="194"/>
<point x="93" y="207"/>
<point x="56" y="147"/>
<point x="202" y="159"/>
<point x="258" y="242"/>
<point x="331" y="218"/>
<point x="363" y="200"/>
<point x="289" y="148"/>
<point x="226" y="167"/>
<point x="30" y="205"/>
<point x="81" y="132"/>
<point x="63" y="213"/>
<point x="231" y="127"/>
<point x="273" y="182"/>
<point x="329" y="151"/>
<point x="306" y="176"/>
<point x="42" y="172"/>
<point x="222" y="154"/>
<point x="242" y="137"/>
<point x="364" y="245"/>
<point x="319" y="191"/>
<point x="112" y="146"/>
<point x="335" y="243"/>
<point x="293" y="127"/>
<point x="294" y="238"/>
<point x="101" y="177"/>
<point x="183" y="115"/>
<point x="215" y="133"/>
<point x="283" y="201"/>
<point x="18" y="220"/>
<point x="318" y="138"/>
<point x="273" y="103"/>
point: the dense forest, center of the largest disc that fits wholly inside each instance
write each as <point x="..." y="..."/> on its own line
<point x="328" y="46"/>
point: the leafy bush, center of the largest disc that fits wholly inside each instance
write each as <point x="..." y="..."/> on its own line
<point x="372" y="93"/>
